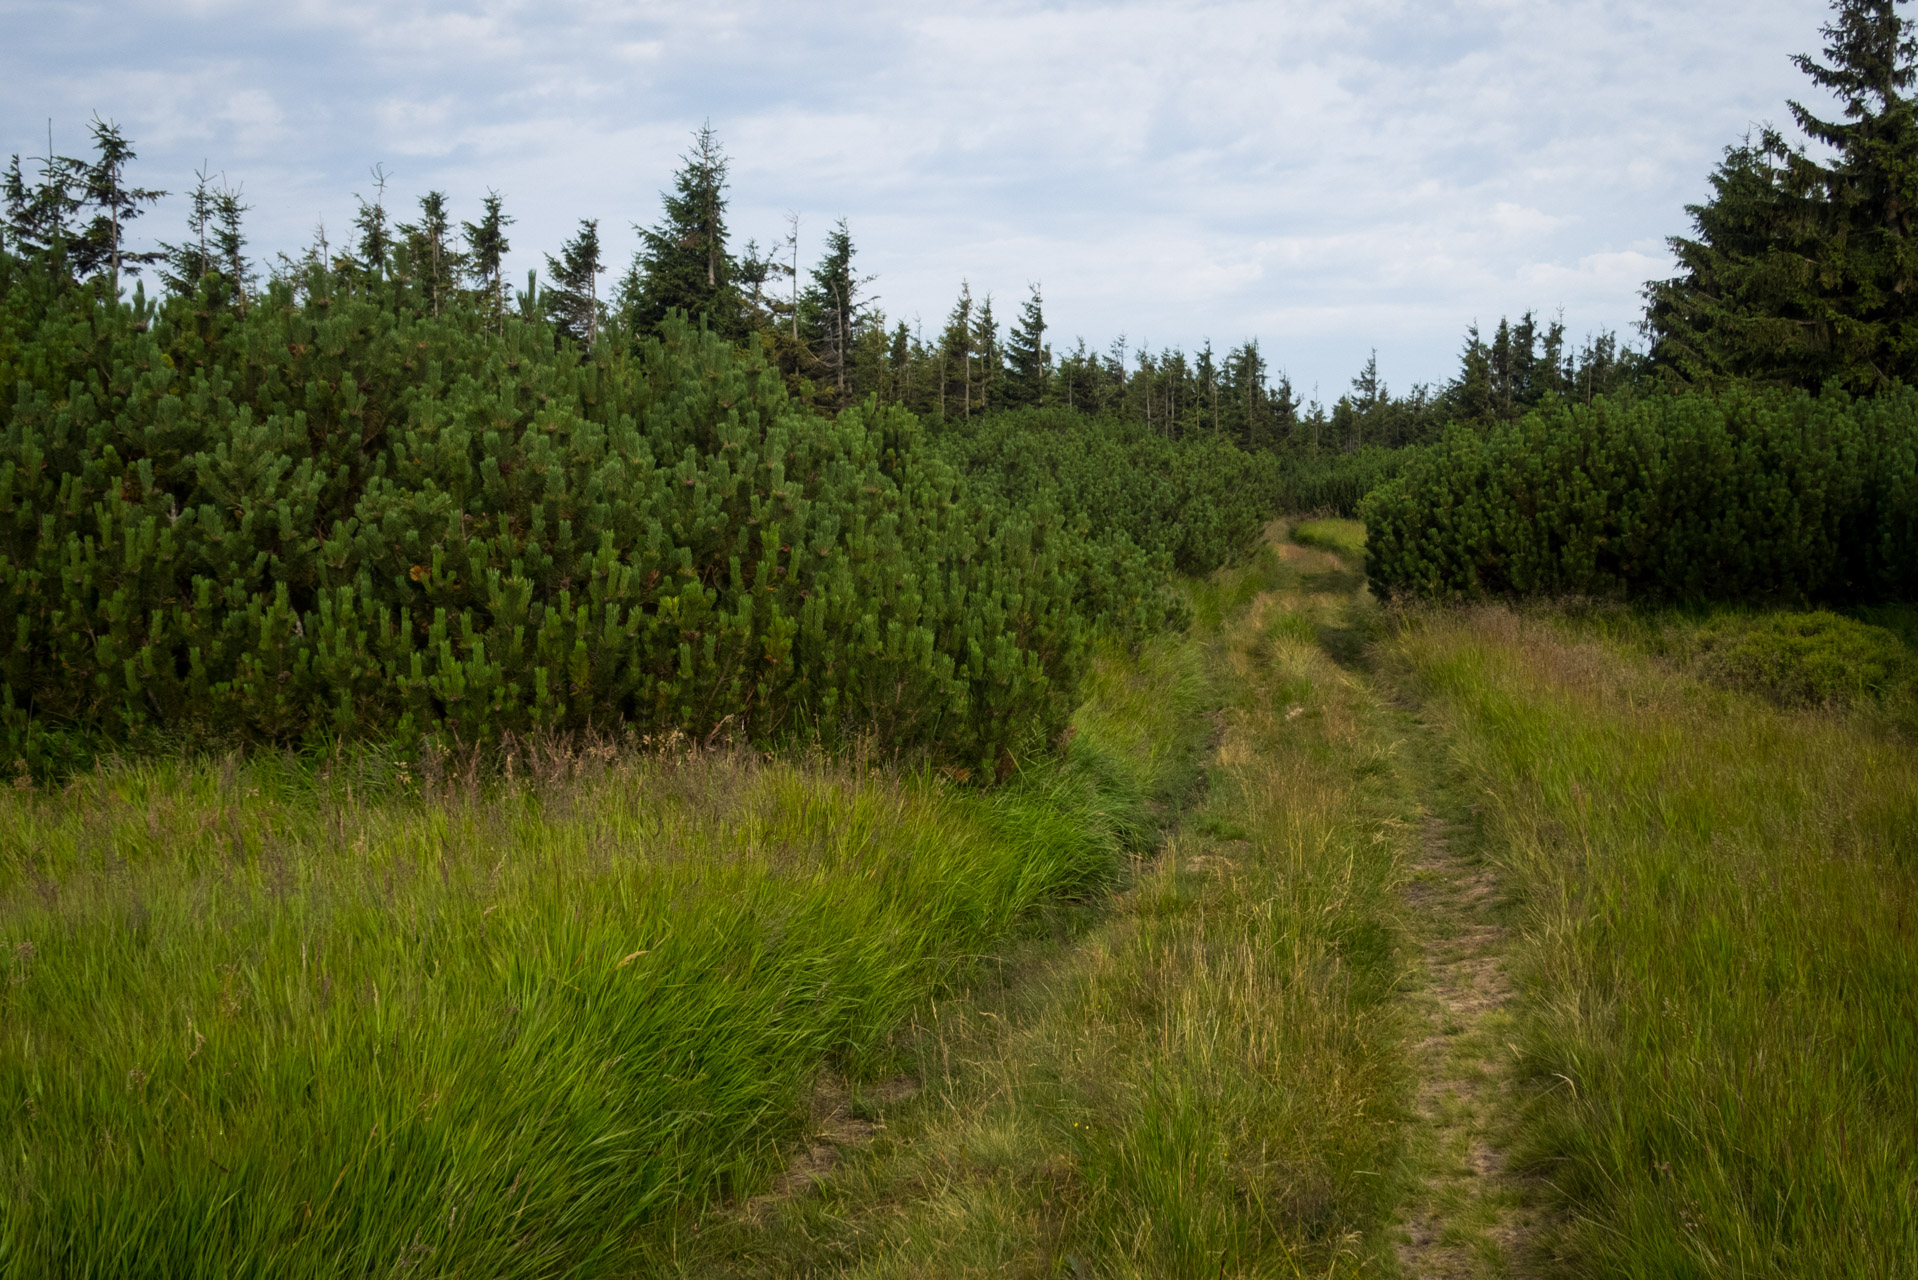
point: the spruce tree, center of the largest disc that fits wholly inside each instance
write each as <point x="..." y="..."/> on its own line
<point x="103" y="185"/>
<point x="1028" y="359"/>
<point x="1472" y="393"/>
<point x="831" y="312"/>
<point x="188" y="263"/>
<point x="682" y="263"/>
<point x="956" y="354"/>
<point x="437" y="265"/>
<point x="376" y="238"/>
<point x="989" y="370"/>
<point x="1206" y="377"/>
<point x="1803" y="268"/>
<point x="39" y="215"/>
<point x="229" y="241"/>
<point x="486" y="247"/>
<point x="572" y="299"/>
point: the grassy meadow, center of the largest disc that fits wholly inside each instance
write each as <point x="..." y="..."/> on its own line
<point x="1716" y="899"/>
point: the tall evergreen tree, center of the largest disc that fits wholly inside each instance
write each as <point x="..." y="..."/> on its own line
<point x="103" y="185"/>
<point x="831" y="314"/>
<point x="988" y="370"/>
<point x="572" y="297"/>
<point x="1803" y="268"/>
<point x="437" y="264"/>
<point x="188" y="262"/>
<point x="682" y="262"/>
<point x="1206" y="377"/>
<point x="376" y="238"/>
<point x="1028" y="358"/>
<point x="486" y="248"/>
<point x="957" y="351"/>
<point x="40" y="215"/>
<point x="1367" y="401"/>
<point x="1473" y="390"/>
<point x="229" y="241"/>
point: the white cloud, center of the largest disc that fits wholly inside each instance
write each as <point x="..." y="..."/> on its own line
<point x="1328" y="176"/>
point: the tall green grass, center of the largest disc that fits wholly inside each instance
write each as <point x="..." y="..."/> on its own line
<point x="1719" y="899"/>
<point x="256" y="1021"/>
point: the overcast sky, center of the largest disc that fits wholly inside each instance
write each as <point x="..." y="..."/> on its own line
<point x="1329" y="176"/>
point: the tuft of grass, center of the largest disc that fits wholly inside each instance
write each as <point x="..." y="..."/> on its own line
<point x="1717" y="897"/>
<point x="1344" y="537"/>
<point x="256" y="1021"/>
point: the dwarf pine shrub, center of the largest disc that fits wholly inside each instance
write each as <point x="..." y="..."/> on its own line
<point x="329" y="513"/>
<point x="1745" y="494"/>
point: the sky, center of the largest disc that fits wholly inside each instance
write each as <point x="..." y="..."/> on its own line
<point x="1332" y="177"/>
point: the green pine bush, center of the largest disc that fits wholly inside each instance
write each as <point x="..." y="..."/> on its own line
<point x="330" y="514"/>
<point x="1143" y="503"/>
<point x="1750" y="494"/>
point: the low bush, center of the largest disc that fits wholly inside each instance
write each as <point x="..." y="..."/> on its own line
<point x="1744" y="495"/>
<point x="1144" y="504"/>
<point x="1801" y="659"/>
<point x="1336" y="484"/>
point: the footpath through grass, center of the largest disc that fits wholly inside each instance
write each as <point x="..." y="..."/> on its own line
<point x="1209" y="1077"/>
<point x="1716" y="907"/>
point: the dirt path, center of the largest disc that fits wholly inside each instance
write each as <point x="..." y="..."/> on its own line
<point x="1473" y="1216"/>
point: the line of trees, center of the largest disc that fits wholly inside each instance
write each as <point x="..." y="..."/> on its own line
<point x="822" y="327"/>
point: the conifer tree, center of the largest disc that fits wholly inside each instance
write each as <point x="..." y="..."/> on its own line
<point x="899" y="364"/>
<point x="486" y="248"/>
<point x="1473" y="390"/>
<point x="988" y="369"/>
<point x="755" y="271"/>
<point x="956" y="354"/>
<point x="831" y="312"/>
<point x="682" y="263"/>
<point x="103" y="186"/>
<point x="376" y="239"/>
<point x="1804" y="269"/>
<point x="39" y="215"/>
<point x="437" y="264"/>
<point x="1028" y="359"/>
<point x="229" y="241"/>
<point x="36" y="212"/>
<point x="188" y="263"/>
<point x="572" y="299"/>
<point x="1206" y="374"/>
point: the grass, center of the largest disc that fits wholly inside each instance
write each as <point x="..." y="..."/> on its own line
<point x="1210" y="1079"/>
<point x="1717" y="902"/>
<point x="1346" y="537"/>
<point x="262" y="1021"/>
<point x="600" y="1013"/>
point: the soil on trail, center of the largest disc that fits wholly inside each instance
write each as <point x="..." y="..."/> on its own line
<point x="1473" y="1216"/>
<point x="839" y="1122"/>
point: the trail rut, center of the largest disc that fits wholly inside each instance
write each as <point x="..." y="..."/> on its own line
<point x="1473" y="1216"/>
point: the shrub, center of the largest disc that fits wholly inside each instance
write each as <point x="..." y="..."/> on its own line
<point x="331" y="515"/>
<point x="1337" y="483"/>
<point x="1751" y="494"/>
<point x="1801" y="659"/>
<point x="1143" y="503"/>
